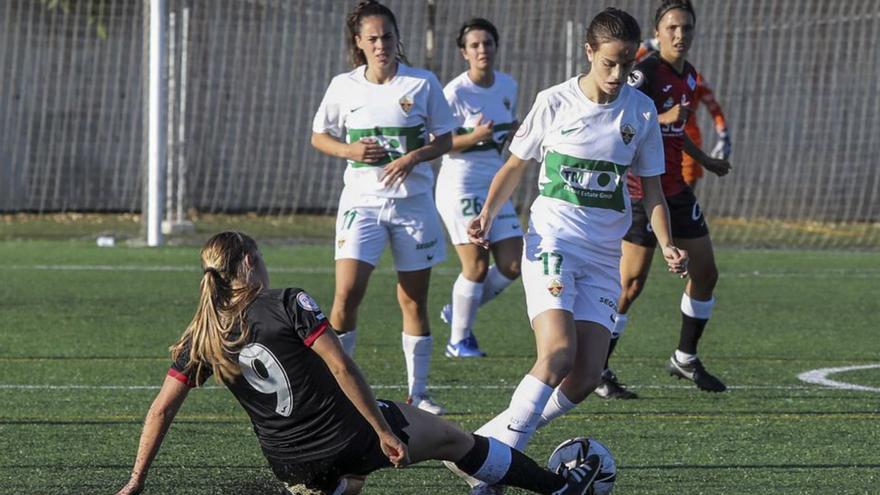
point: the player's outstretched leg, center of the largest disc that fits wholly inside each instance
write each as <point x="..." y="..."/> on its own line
<point x="489" y="460"/>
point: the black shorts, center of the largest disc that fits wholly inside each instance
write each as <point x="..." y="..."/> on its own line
<point x="361" y="457"/>
<point x="685" y="213"/>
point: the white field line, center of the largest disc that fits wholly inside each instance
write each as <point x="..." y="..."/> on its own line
<point x="824" y="273"/>
<point x="820" y="377"/>
<point x="15" y="386"/>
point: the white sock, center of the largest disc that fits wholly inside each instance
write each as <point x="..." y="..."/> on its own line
<point x="620" y="321"/>
<point x="558" y="405"/>
<point x="417" y="353"/>
<point x="497" y="463"/>
<point x="683" y="357"/>
<point x="466" y="296"/>
<point x="494" y="284"/>
<point x="516" y="424"/>
<point x="348" y="340"/>
<point x="697" y="309"/>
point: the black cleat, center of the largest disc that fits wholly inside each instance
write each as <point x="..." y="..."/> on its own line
<point x="695" y="372"/>
<point x="611" y="388"/>
<point x="579" y="480"/>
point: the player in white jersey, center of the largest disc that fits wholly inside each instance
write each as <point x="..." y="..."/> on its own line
<point x="587" y="133"/>
<point x="484" y="103"/>
<point x="387" y="120"/>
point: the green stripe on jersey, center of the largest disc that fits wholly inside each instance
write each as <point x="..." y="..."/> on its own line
<point x="487" y="145"/>
<point x="397" y="141"/>
<point x="592" y="183"/>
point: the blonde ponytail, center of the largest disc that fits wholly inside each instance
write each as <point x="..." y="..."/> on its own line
<point x="226" y="291"/>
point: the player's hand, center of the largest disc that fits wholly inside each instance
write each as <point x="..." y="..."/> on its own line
<point x="678" y="113"/>
<point x="478" y="230"/>
<point x="676" y="260"/>
<point x="394" y="449"/>
<point x="483" y="130"/>
<point x="133" y="487"/>
<point x="717" y="166"/>
<point x="722" y="148"/>
<point x="366" y="150"/>
<point x="397" y="171"/>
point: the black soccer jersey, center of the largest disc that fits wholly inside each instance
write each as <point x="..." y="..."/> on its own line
<point x="659" y="80"/>
<point x="298" y="411"/>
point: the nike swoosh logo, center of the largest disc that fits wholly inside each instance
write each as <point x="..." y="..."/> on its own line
<point x="667" y="88"/>
<point x="569" y="131"/>
<point x="515" y="430"/>
<point x="355" y="109"/>
<point x="474" y="112"/>
<point x="430" y="257"/>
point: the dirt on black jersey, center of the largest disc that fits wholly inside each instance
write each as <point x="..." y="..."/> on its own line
<point x="297" y="409"/>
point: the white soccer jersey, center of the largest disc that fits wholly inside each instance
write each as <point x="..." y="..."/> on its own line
<point x="399" y="114"/>
<point x="585" y="150"/>
<point x="470" y="102"/>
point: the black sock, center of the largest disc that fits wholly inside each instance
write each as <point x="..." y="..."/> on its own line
<point x="522" y="471"/>
<point x="691" y="331"/>
<point x="611" y="347"/>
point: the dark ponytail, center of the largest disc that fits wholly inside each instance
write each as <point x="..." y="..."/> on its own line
<point x="613" y="24"/>
<point x="369" y="8"/>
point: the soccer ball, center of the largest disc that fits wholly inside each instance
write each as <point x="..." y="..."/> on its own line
<point x="571" y="453"/>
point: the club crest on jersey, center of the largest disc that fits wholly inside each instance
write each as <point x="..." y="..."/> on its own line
<point x="306" y="302"/>
<point x="406" y="103"/>
<point x="627" y="132"/>
<point x="555" y="287"/>
<point x="507" y="103"/>
<point x="692" y="83"/>
<point x="340" y="243"/>
<point x="669" y="103"/>
<point x="636" y="78"/>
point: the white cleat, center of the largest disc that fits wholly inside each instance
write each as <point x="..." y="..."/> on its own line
<point x="425" y="403"/>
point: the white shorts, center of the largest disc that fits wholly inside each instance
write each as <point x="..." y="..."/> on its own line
<point x="458" y="206"/>
<point x="556" y="275"/>
<point x="411" y="224"/>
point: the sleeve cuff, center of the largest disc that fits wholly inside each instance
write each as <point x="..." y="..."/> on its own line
<point x="173" y="373"/>
<point x="317" y="332"/>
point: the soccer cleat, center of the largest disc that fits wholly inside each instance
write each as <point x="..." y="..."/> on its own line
<point x="611" y="388"/>
<point x="579" y="481"/>
<point x="465" y="348"/>
<point x="695" y="372"/>
<point x="446" y="314"/>
<point x="425" y="403"/>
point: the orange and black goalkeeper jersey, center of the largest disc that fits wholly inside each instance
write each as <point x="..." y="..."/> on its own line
<point x="297" y="409"/>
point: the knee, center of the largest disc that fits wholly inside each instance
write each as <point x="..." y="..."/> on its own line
<point x="348" y="298"/>
<point x="554" y="367"/>
<point x="475" y="271"/>
<point x="631" y="288"/>
<point x="706" y="279"/>
<point x="510" y="268"/>
<point x="413" y="303"/>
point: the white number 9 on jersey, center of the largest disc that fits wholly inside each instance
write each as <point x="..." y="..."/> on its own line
<point x="264" y="372"/>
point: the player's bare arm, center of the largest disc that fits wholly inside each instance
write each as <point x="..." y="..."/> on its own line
<point x="655" y="203"/>
<point x="503" y="185"/>
<point x="355" y="387"/>
<point x="158" y="420"/>
<point x="482" y="132"/>
<point x="366" y="150"/>
<point x="717" y="166"/>
<point x="399" y="169"/>
<point x="676" y="114"/>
